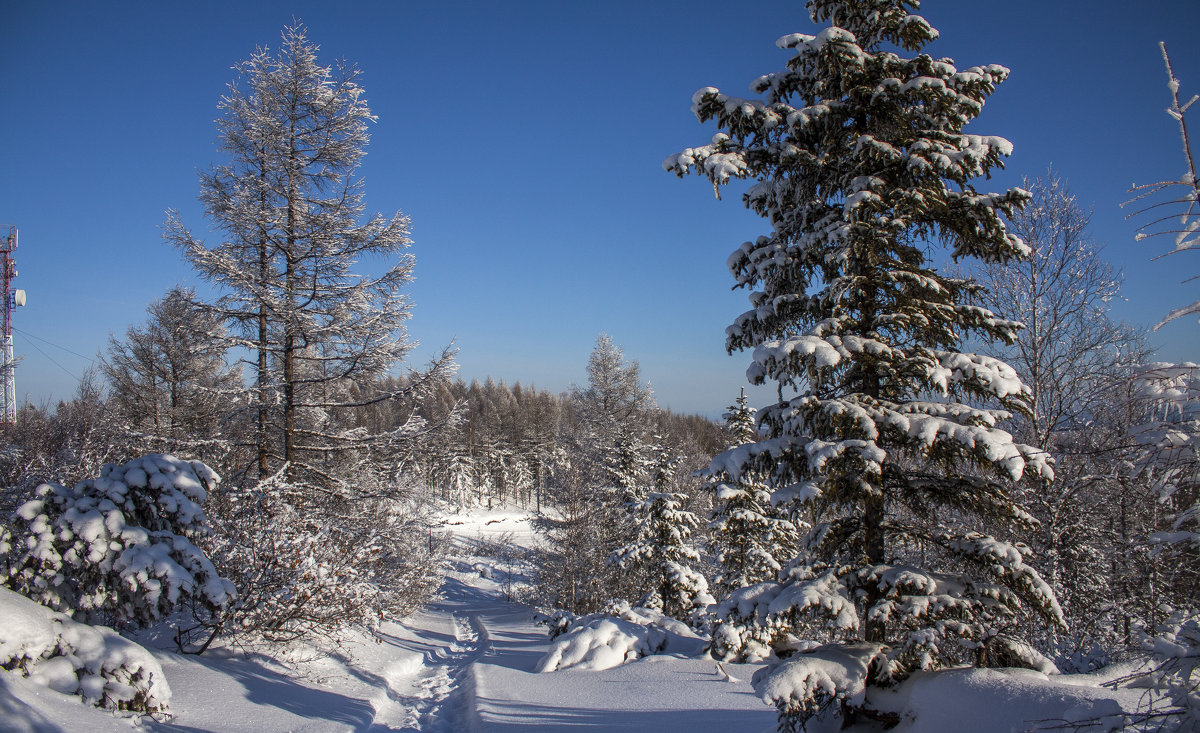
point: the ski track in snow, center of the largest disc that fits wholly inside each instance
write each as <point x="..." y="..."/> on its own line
<point x="438" y="696"/>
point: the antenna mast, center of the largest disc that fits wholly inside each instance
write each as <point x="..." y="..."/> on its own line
<point x="11" y="299"/>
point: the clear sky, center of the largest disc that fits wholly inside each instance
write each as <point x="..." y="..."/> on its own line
<point x="525" y="140"/>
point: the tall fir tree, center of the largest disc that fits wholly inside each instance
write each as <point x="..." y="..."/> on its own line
<point x="860" y="165"/>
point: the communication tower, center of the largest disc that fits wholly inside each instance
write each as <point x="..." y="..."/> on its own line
<point x="11" y="299"/>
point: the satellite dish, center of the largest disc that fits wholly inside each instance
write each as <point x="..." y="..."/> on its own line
<point x="19" y="297"/>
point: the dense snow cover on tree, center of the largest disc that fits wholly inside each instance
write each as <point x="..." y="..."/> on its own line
<point x="119" y="547"/>
<point x="748" y="534"/>
<point x="859" y="159"/>
<point x="92" y="662"/>
<point x="661" y="548"/>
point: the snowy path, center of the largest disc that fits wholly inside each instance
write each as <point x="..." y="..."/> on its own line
<point x="497" y="691"/>
<point x="464" y="664"/>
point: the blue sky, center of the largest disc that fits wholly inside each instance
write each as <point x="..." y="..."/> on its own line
<point x="525" y="140"/>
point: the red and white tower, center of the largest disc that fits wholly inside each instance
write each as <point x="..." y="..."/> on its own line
<point x="11" y="300"/>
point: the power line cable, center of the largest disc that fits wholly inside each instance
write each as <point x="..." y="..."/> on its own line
<point x="51" y="343"/>
<point x="52" y="361"/>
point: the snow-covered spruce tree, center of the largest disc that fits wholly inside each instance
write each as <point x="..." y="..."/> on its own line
<point x="289" y="204"/>
<point x="748" y="536"/>
<point x="119" y="548"/>
<point x="860" y="163"/>
<point x="661" y="550"/>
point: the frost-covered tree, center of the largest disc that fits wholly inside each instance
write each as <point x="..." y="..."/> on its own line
<point x="319" y="335"/>
<point x="1169" y="457"/>
<point x="661" y="549"/>
<point x="860" y="164"/>
<point x="1182" y="195"/>
<point x="609" y="470"/>
<point x="614" y="398"/>
<point x="1076" y="361"/>
<point x="289" y="206"/>
<point x="120" y="547"/>
<point x="1070" y="349"/>
<point x="748" y="535"/>
<point x="168" y="378"/>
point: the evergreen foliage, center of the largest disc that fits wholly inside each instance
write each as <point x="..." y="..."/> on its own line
<point x="859" y="162"/>
<point x="747" y="535"/>
<point x="661" y="549"/>
<point x="120" y="547"/>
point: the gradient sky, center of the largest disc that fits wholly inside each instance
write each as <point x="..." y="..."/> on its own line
<point x="525" y="140"/>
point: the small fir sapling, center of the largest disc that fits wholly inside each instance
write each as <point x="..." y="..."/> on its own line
<point x="661" y="549"/>
<point x="748" y="534"/>
<point x="119" y="548"/>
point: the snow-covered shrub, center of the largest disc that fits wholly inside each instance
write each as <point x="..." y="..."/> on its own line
<point x="119" y="547"/>
<point x="807" y="683"/>
<point x="620" y="634"/>
<point x="1175" y="675"/>
<point x="310" y="566"/>
<point x="93" y="662"/>
<point x="753" y="624"/>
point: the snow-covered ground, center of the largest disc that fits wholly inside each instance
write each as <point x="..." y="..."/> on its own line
<point x="466" y="663"/>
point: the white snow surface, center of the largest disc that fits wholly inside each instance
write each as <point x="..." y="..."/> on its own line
<point x="468" y="663"/>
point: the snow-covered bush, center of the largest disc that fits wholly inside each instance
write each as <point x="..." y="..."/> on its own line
<point x="93" y="662"/>
<point x="807" y="683"/>
<point x="620" y="634"/>
<point x="1175" y="676"/>
<point x="118" y="547"/>
<point x="753" y="624"/>
<point x="307" y="566"/>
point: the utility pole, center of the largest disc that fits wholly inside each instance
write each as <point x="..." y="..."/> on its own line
<point x="11" y="299"/>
